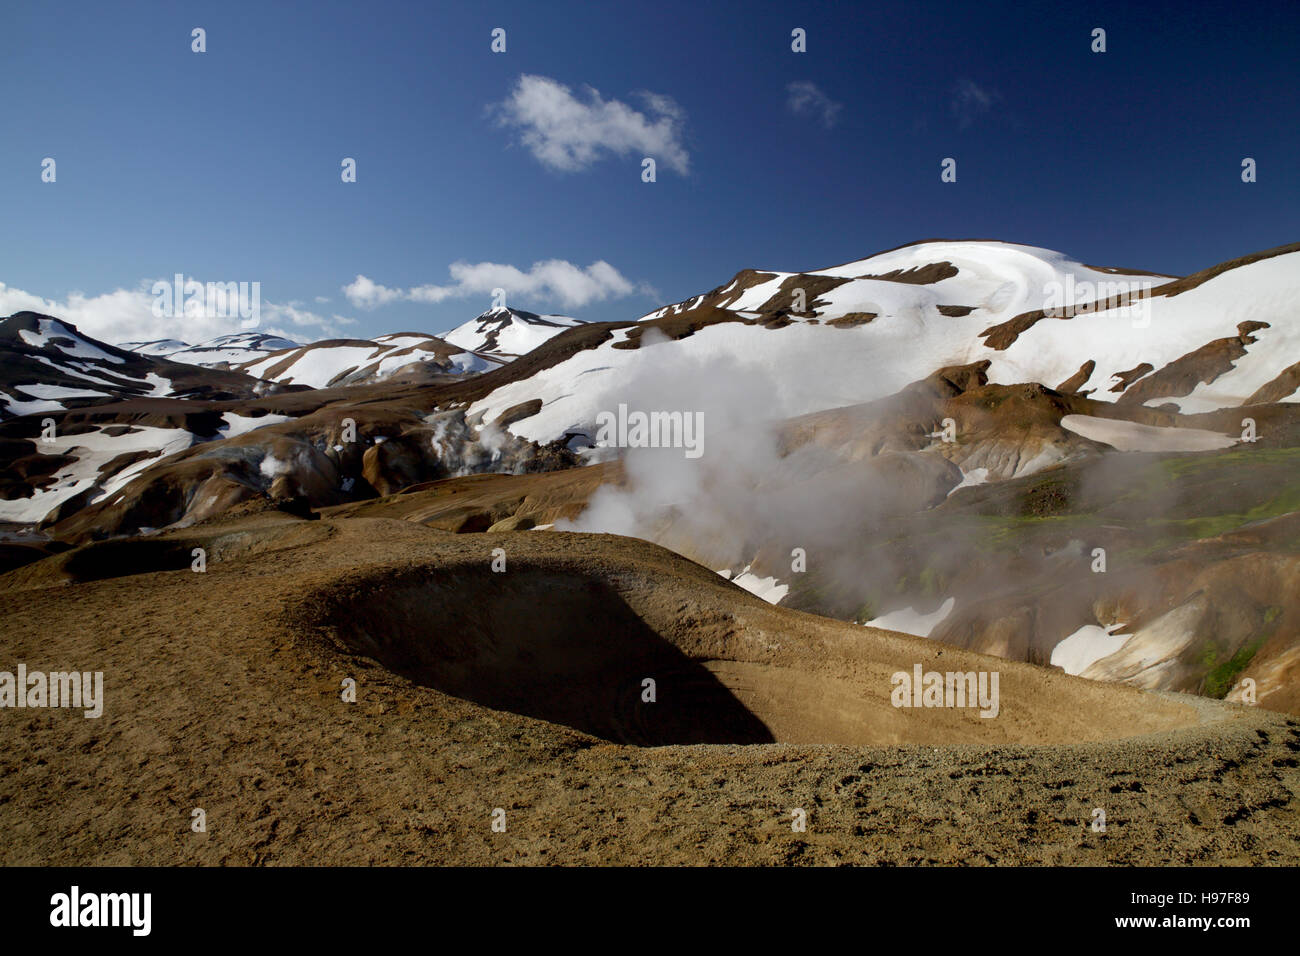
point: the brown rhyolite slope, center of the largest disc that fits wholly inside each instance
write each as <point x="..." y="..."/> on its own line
<point x="1181" y="376"/>
<point x="490" y="502"/>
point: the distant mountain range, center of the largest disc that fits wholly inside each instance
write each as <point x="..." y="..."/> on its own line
<point x="47" y="365"/>
<point x="227" y="349"/>
<point x="485" y="342"/>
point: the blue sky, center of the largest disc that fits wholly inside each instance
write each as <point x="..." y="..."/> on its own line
<point x="225" y="165"/>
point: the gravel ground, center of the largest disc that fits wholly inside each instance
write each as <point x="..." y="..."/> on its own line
<point x="223" y="693"/>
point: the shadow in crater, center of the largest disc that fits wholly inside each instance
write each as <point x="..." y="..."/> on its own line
<point x="118" y="559"/>
<point x="558" y="647"/>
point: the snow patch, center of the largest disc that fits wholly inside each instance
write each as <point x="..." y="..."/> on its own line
<point x="767" y="588"/>
<point x="243" y="424"/>
<point x="1134" y="436"/>
<point x="911" y="621"/>
<point x="1086" y="646"/>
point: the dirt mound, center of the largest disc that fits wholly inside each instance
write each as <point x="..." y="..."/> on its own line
<point x="727" y="666"/>
<point x="480" y="502"/>
<point x="222" y="691"/>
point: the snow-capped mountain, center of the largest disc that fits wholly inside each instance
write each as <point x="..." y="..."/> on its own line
<point x="358" y="361"/>
<point x="222" y="350"/>
<point x="232" y="349"/>
<point x="863" y="330"/>
<point x="46" y="365"/>
<point x="159" y="347"/>
<point x="508" y="332"/>
<point x="1009" y="413"/>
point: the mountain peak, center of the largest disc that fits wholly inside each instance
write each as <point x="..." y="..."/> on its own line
<point x="507" y="331"/>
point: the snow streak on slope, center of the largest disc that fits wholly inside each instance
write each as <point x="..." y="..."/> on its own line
<point x="315" y="365"/>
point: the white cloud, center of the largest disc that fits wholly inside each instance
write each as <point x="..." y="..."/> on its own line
<point x="806" y="98"/>
<point x="365" y="294"/>
<point x="970" y="101"/>
<point x="127" y="315"/>
<point x="553" y="280"/>
<point x="565" y="133"/>
<point x="275" y="314"/>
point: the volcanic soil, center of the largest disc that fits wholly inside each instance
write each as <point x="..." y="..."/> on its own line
<point x="479" y="691"/>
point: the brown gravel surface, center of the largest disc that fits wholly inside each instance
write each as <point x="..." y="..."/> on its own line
<point x="522" y="691"/>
